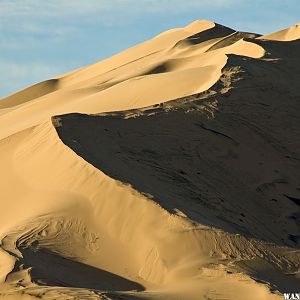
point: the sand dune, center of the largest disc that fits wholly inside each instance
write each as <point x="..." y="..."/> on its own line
<point x="168" y="171"/>
<point x="167" y="67"/>
<point x="289" y="34"/>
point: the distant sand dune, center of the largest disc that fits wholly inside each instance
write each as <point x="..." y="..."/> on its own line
<point x="290" y="34"/>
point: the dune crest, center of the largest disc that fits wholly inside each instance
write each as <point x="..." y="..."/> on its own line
<point x="168" y="171"/>
<point x="199" y="25"/>
<point x="117" y="83"/>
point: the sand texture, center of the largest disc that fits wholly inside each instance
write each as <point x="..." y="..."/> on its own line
<point x="168" y="171"/>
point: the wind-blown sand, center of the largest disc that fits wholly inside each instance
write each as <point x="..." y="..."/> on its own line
<point x="168" y="171"/>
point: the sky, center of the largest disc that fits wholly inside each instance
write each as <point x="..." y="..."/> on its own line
<point x="42" y="39"/>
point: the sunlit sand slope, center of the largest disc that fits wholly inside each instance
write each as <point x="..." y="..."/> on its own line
<point x="289" y="34"/>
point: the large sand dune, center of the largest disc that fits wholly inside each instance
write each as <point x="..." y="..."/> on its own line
<point x="168" y="171"/>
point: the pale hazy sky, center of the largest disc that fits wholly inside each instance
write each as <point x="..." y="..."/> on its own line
<point x="40" y="39"/>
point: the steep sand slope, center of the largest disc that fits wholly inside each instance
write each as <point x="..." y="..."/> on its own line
<point x="194" y="198"/>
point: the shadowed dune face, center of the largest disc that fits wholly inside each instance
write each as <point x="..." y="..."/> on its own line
<point x="215" y="171"/>
<point x="232" y="38"/>
<point x="218" y="31"/>
<point x="170" y="171"/>
<point x="54" y="270"/>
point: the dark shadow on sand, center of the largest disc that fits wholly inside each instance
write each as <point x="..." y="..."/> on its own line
<point x="50" y="269"/>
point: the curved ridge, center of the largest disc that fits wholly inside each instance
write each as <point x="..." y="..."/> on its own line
<point x="120" y="82"/>
<point x="155" y="265"/>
